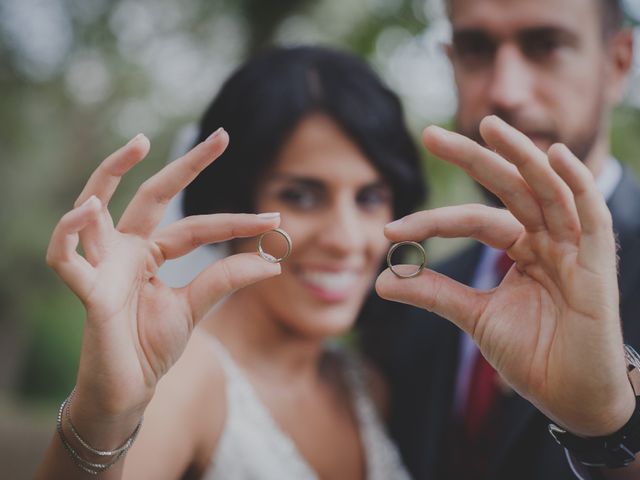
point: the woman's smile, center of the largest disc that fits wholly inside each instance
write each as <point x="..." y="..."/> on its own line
<point x="330" y="285"/>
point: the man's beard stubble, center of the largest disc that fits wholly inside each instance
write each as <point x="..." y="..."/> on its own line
<point x="581" y="145"/>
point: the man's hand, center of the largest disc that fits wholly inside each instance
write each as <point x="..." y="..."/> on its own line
<point x="552" y="327"/>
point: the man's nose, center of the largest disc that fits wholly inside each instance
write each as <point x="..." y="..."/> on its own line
<point x="511" y="81"/>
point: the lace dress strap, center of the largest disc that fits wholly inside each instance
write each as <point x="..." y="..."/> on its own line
<point x="382" y="456"/>
<point x="252" y="446"/>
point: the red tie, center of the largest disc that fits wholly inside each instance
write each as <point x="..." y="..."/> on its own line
<point x="483" y="389"/>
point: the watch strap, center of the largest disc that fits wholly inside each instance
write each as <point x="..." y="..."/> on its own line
<point x="619" y="448"/>
<point x="611" y="451"/>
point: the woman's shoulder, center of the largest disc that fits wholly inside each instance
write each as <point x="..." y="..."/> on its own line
<point x="191" y="397"/>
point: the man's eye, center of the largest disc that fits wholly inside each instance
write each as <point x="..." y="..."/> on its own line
<point x="300" y="198"/>
<point x="474" y="50"/>
<point x="540" y="48"/>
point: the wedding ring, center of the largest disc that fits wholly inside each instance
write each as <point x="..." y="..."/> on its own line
<point x="271" y="258"/>
<point x="419" y="267"/>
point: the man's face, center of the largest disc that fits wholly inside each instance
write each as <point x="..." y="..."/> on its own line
<point x="541" y="65"/>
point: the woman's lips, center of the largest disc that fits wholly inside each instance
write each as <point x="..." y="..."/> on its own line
<point x="330" y="286"/>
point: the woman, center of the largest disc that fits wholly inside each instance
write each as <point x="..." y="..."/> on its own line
<point x="249" y="388"/>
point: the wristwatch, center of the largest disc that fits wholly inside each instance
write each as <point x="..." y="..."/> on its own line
<point x="612" y="451"/>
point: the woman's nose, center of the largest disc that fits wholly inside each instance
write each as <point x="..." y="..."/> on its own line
<point x="343" y="230"/>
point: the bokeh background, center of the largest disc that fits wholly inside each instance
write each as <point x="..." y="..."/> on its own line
<point x="80" y="77"/>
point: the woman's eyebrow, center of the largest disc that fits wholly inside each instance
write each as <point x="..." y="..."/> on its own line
<point x="376" y="184"/>
<point x="297" y="179"/>
<point x="314" y="183"/>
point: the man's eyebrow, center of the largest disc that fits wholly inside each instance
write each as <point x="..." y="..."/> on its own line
<point x="556" y="33"/>
<point x="470" y="33"/>
<point x="530" y="33"/>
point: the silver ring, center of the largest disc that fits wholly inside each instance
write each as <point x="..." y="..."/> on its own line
<point x="420" y="267"/>
<point x="271" y="258"/>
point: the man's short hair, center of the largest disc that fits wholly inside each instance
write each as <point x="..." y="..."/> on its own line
<point x="611" y="14"/>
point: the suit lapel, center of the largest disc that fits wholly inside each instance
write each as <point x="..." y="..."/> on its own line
<point x="516" y="415"/>
<point x="624" y="205"/>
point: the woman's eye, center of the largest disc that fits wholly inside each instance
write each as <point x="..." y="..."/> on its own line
<point x="301" y="198"/>
<point x="372" y="197"/>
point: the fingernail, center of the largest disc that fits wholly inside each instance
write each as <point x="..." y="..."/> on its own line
<point x="269" y="215"/>
<point x="214" y="135"/>
<point x="140" y="135"/>
<point x="394" y="224"/>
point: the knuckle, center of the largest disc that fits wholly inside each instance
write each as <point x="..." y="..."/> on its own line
<point x="144" y="190"/>
<point x="226" y="278"/>
<point x="606" y="218"/>
<point x="52" y="260"/>
<point x="196" y="239"/>
<point x="149" y="189"/>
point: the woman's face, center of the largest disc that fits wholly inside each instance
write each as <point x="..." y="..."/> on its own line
<point x="334" y="205"/>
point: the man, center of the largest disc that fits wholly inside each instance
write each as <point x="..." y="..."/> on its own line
<point x="554" y="69"/>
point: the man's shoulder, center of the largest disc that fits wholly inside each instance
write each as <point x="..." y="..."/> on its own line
<point x="624" y="205"/>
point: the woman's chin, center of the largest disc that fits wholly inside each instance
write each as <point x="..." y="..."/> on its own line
<point x="320" y="325"/>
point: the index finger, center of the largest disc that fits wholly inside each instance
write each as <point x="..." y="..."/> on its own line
<point x="492" y="226"/>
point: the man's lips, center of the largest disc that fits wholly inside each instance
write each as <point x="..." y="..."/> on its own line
<point x="540" y="138"/>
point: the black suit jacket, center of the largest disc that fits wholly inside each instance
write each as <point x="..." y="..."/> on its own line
<point x="418" y="352"/>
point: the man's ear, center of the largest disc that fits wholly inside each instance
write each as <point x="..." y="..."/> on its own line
<point x="447" y="48"/>
<point x="621" y="48"/>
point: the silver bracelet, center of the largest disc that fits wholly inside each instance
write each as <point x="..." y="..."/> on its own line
<point x="85" y="465"/>
<point x="101" y="453"/>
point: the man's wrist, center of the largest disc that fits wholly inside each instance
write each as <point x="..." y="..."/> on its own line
<point x="617" y="449"/>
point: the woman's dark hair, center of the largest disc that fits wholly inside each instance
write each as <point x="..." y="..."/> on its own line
<point x="265" y="99"/>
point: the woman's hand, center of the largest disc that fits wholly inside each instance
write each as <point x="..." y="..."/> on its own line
<point x="552" y="327"/>
<point x="136" y="328"/>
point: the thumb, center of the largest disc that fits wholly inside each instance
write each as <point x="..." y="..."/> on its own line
<point x="436" y="293"/>
<point x="224" y="277"/>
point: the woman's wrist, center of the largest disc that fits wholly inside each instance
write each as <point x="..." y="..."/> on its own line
<point x="103" y="428"/>
<point x="85" y="453"/>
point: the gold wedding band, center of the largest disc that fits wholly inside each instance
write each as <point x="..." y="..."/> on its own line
<point x="420" y="267"/>
<point x="271" y="258"/>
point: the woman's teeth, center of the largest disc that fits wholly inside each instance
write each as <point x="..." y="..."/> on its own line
<point x="333" y="281"/>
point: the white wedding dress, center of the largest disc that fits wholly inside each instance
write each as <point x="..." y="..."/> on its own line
<point x="253" y="447"/>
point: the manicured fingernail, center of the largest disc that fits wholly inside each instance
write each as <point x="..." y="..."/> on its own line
<point x="269" y="215"/>
<point x="394" y="224"/>
<point x="214" y="135"/>
<point x="137" y="137"/>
